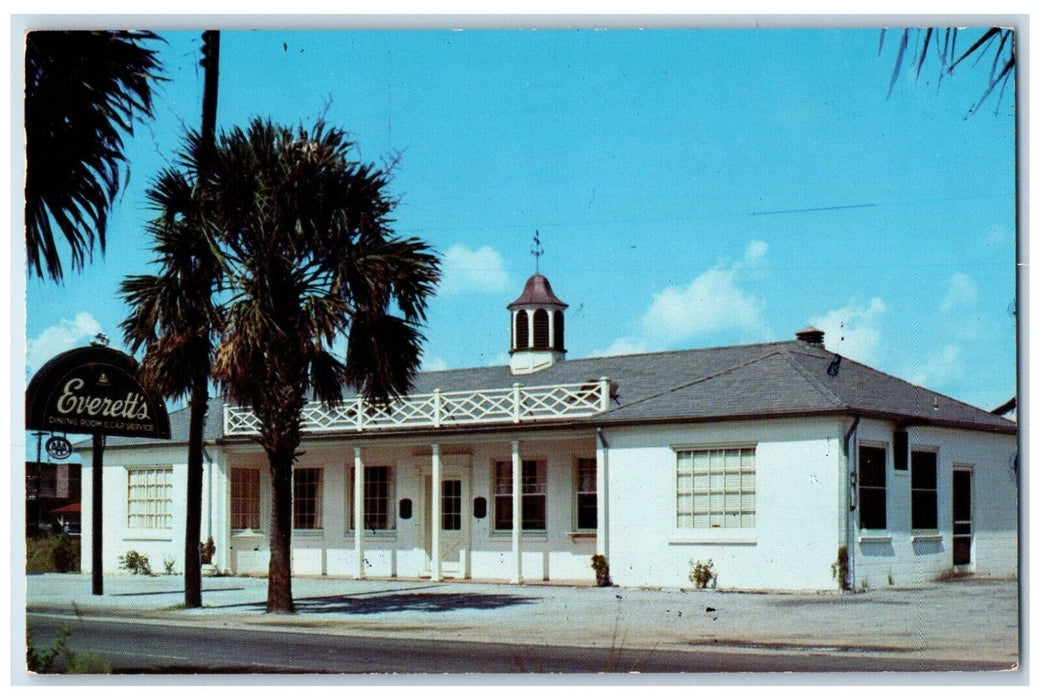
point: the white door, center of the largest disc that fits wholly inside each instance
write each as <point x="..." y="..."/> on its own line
<point x="453" y="522"/>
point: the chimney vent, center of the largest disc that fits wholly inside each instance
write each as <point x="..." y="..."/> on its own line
<point x="810" y="335"/>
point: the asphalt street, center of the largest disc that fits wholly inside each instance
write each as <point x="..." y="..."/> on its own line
<point x="416" y="626"/>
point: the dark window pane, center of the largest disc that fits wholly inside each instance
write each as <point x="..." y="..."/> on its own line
<point x="503" y="512"/>
<point x="533" y="512"/>
<point x="961" y="495"/>
<point x="924" y="513"/>
<point x="872" y="466"/>
<point x="899" y="447"/>
<point x="872" y="514"/>
<point x="558" y="330"/>
<point x="587" y="511"/>
<point x="541" y="330"/>
<point x="924" y="472"/>
<point x="521" y="329"/>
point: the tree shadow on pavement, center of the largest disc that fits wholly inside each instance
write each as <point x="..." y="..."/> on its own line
<point x="402" y="602"/>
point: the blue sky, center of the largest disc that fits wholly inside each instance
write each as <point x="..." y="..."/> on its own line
<point x="691" y="188"/>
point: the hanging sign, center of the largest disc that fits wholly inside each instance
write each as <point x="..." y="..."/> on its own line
<point x="93" y="390"/>
<point x="58" y="448"/>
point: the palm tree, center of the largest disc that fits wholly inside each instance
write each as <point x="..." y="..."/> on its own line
<point x="174" y="316"/>
<point x="83" y="91"/>
<point x="309" y="257"/>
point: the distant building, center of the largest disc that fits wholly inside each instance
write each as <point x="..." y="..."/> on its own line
<point x="52" y="497"/>
<point x="770" y="460"/>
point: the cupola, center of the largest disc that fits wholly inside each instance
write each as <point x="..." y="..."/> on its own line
<point x="537" y="327"/>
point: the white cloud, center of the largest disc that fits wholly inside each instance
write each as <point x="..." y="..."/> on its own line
<point x="943" y="366"/>
<point x="623" y="346"/>
<point x="853" y="330"/>
<point x="433" y="364"/>
<point x="711" y="302"/>
<point x="961" y="293"/>
<point x="755" y="254"/>
<point x="465" y="270"/>
<point x="57" y="339"/>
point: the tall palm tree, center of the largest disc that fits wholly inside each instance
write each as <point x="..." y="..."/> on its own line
<point x="309" y="258"/>
<point x="174" y="316"/>
<point x="83" y="92"/>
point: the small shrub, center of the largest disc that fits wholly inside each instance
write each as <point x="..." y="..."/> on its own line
<point x="65" y="554"/>
<point x="47" y="660"/>
<point x="135" y="563"/>
<point x="602" y="569"/>
<point x="703" y="573"/>
<point x="168" y="564"/>
<point x="206" y="550"/>
<point x="840" y="569"/>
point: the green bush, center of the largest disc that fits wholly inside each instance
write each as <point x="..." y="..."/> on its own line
<point x="53" y="554"/>
<point x="135" y="563"/>
<point x="703" y="573"/>
<point x="47" y="660"/>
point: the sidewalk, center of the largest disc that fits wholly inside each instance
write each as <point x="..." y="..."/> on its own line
<point x="959" y="620"/>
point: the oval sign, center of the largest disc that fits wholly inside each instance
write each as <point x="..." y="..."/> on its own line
<point x="93" y="390"/>
<point x="58" y="448"/>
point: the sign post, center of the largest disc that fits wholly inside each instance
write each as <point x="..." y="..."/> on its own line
<point x="94" y="391"/>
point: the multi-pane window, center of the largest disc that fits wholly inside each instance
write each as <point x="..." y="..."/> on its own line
<point x="149" y="502"/>
<point x="451" y="504"/>
<point x="872" y="493"/>
<point x="378" y="498"/>
<point x="533" y="490"/>
<point x="715" y="488"/>
<point x="245" y="499"/>
<point x="307" y="498"/>
<point x="924" y="491"/>
<point x="585" y="494"/>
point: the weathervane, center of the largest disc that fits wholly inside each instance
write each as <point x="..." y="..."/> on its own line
<point x="537" y="251"/>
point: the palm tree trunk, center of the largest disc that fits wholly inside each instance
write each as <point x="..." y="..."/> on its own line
<point x="193" y="517"/>
<point x="279" y="575"/>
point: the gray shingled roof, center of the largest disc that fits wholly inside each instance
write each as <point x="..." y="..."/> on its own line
<point x="765" y="380"/>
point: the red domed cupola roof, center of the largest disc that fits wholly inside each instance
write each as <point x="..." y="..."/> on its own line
<point x="537" y="292"/>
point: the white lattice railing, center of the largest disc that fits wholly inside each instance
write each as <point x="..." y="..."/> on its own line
<point x="442" y="409"/>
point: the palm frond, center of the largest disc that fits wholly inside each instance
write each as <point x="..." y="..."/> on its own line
<point x="83" y="93"/>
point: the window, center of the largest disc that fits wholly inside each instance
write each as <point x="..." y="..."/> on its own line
<point x="521" y="330"/>
<point x="541" y="330"/>
<point x="378" y="496"/>
<point x="872" y="512"/>
<point x="532" y="504"/>
<point x="585" y="494"/>
<point x="558" y="330"/>
<point x="245" y="499"/>
<point x="451" y="504"/>
<point x="149" y="504"/>
<point x="924" y="491"/>
<point x="307" y="498"/>
<point x="715" y="488"/>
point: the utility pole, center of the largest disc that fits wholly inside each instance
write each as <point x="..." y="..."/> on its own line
<point x="199" y="400"/>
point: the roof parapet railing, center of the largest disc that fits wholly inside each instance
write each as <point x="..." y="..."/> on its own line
<point x="443" y="409"/>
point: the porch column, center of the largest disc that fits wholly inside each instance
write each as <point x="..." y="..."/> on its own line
<point x="435" y="514"/>
<point x="602" y="533"/>
<point x="518" y="537"/>
<point x="359" y="513"/>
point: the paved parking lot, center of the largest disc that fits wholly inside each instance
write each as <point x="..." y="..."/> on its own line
<point x="958" y="620"/>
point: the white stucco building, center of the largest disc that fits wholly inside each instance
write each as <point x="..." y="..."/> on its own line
<point x="767" y="459"/>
